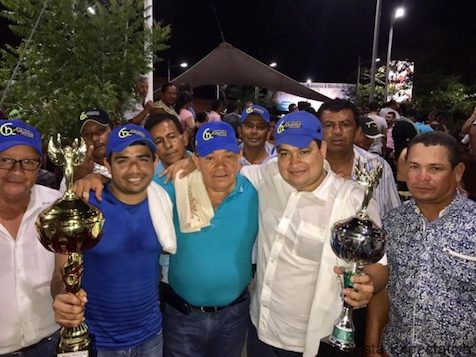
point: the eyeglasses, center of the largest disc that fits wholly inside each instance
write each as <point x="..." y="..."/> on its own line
<point x="26" y="164"/>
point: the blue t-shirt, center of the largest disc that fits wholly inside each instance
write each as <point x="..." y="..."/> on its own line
<point x="213" y="266"/>
<point x="121" y="276"/>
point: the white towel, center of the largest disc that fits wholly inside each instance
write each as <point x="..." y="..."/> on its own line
<point x="195" y="210"/>
<point x="161" y="213"/>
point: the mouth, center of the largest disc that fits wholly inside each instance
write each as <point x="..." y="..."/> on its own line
<point x="134" y="180"/>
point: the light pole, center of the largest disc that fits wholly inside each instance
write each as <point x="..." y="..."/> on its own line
<point x="183" y="65"/>
<point x="373" y="68"/>
<point x="400" y="12"/>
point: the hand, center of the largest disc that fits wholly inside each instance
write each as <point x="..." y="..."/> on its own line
<point x="149" y="106"/>
<point x="91" y="182"/>
<point x="362" y="292"/>
<point x="185" y="165"/>
<point x="69" y="308"/>
<point x="87" y="166"/>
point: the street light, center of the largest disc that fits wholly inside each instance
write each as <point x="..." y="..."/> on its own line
<point x="373" y="68"/>
<point x="400" y="12"/>
<point x="182" y="65"/>
<point x="273" y="64"/>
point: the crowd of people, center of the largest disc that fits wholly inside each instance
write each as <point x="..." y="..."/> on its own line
<point x="218" y="225"/>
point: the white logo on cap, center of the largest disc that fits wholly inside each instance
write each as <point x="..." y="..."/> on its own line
<point x="294" y="124"/>
<point x="83" y="116"/>
<point x="5" y="130"/>
<point x="124" y="133"/>
<point x="207" y="135"/>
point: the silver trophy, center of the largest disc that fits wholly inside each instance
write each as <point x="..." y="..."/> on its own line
<point x="358" y="241"/>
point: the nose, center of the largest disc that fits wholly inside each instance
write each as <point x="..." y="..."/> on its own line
<point x="422" y="175"/>
<point x="167" y="143"/>
<point x="295" y="159"/>
<point x="337" y="129"/>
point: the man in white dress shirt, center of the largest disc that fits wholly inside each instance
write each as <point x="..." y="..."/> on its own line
<point x="297" y="296"/>
<point x="27" y="324"/>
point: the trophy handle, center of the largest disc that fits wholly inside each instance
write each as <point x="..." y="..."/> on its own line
<point x="370" y="180"/>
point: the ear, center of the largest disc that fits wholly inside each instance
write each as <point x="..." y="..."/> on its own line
<point x="459" y="171"/>
<point x="239" y="131"/>
<point x="323" y="149"/>
<point x="196" y="161"/>
<point x="107" y="165"/>
<point x="185" y="137"/>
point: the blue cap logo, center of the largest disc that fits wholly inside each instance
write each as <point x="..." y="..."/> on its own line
<point x="298" y="129"/>
<point x="208" y="135"/>
<point x="6" y="129"/>
<point x="16" y="132"/>
<point x="215" y="136"/>
<point x="123" y="136"/>
<point x="295" y="124"/>
<point x="126" y="132"/>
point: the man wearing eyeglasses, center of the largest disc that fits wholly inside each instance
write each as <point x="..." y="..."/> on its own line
<point x="27" y="321"/>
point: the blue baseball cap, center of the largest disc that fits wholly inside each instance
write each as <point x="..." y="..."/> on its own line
<point x="125" y="135"/>
<point x="255" y="109"/>
<point x="15" y="132"/>
<point x="298" y="129"/>
<point x="213" y="136"/>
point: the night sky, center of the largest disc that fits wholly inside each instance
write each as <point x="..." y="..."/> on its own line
<point x="322" y="39"/>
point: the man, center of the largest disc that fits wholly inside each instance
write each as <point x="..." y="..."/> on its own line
<point x="168" y="99"/>
<point x="232" y="117"/>
<point x="297" y="296"/>
<point x="253" y="130"/>
<point x="366" y="134"/>
<point x="431" y="256"/>
<point x="121" y="273"/>
<point x="94" y="127"/>
<point x="208" y="303"/>
<point x="27" y="323"/>
<point x="390" y="144"/>
<point x="390" y="106"/>
<point x="137" y="108"/>
<point x="215" y="110"/>
<point x="339" y="121"/>
<point x="292" y="107"/>
<point x="378" y="144"/>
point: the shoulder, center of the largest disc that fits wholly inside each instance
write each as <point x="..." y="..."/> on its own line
<point x="244" y="185"/>
<point x="44" y="195"/>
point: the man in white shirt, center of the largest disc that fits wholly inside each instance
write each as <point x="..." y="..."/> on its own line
<point x="27" y="324"/>
<point x="297" y="295"/>
<point x="379" y="144"/>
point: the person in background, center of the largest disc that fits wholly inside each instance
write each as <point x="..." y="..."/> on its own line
<point x="366" y="134"/>
<point x="232" y="117"/>
<point x="215" y="112"/>
<point x="166" y="104"/>
<point x="138" y="109"/>
<point x="186" y="118"/>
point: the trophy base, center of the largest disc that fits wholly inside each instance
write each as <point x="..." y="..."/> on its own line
<point x="75" y="354"/>
<point x="76" y="342"/>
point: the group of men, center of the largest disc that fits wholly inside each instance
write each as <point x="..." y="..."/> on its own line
<point x="287" y="205"/>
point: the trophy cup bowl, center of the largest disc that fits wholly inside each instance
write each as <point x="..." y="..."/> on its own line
<point x="70" y="226"/>
<point x="359" y="242"/>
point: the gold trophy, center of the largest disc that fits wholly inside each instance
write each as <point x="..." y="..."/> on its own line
<point x="70" y="226"/>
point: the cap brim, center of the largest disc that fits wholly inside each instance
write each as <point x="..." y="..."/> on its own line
<point x="124" y="144"/>
<point x="10" y="144"/>
<point x="93" y="120"/>
<point x="205" y="150"/>
<point x="376" y="136"/>
<point x="299" y="141"/>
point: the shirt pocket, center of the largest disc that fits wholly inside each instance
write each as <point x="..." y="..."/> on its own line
<point x="459" y="268"/>
<point x="309" y="243"/>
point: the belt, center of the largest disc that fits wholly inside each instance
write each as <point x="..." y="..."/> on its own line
<point x="178" y="303"/>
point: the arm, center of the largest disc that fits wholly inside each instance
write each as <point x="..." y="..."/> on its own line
<point x="377" y="317"/>
<point x="472" y="135"/>
<point x="139" y="118"/>
<point x="91" y="182"/>
<point x="465" y="129"/>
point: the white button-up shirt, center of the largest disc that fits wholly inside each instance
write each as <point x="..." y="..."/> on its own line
<point x="26" y="268"/>
<point x="297" y="296"/>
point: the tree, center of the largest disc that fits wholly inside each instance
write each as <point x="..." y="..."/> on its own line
<point x="76" y="59"/>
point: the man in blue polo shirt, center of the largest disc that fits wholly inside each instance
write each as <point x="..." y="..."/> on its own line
<point x="208" y="304"/>
<point x="121" y="273"/>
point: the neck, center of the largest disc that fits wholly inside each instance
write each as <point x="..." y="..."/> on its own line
<point x="128" y="199"/>
<point x="12" y="207"/>
<point x="341" y="163"/>
<point x="216" y="198"/>
<point x="255" y="155"/>
<point x="431" y="210"/>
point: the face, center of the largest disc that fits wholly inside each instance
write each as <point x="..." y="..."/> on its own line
<point x="361" y="140"/>
<point x="96" y="135"/>
<point x="390" y="118"/>
<point x="171" y="145"/>
<point x="142" y="88"/>
<point x="430" y="178"/>
<point x="16" y="184"/>
<point x="131" y="171"/>
<point x="339" y="130"/>
<point x="219" y="170"/>
<point x="302" y="168"/>
<point x="254" y="132"/>
<point x="170" y="95"/>
<point x="272" y="126"/>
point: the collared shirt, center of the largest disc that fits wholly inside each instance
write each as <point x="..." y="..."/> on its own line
<point x="270" y="150"/>
<point x="385" y="193"/>
<point x="135" y="106"/>
<point x="26" y="268"/>
<point x="423" y="128"/>
<point x="377" y="144"/>
<point x="294" y="256"/>
<point x="167" y="108"/>
<point x="212" y="267"/>
<point x="432" y="283"/>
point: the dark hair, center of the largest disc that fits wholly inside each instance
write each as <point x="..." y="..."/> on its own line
<point x="183" y="98"/>
<point x="337" y="105"/>
<point x="291" y="106"/>
<point x="231" y="106"/>
<point x="157" y="118"/>
<point x="373" y="106"/>
<point x="216" y="104"/>
<point x="202" y="117"/>
<point x="166" y="85"/>
<point x="402" y="133"/>
<point x="438" y="138"/>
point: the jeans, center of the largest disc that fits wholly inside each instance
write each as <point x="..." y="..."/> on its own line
<point x="45" y="348"/>
<point x="153" y="347"/>
<point x="206" y="334"/>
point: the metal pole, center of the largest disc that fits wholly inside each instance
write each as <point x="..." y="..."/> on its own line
<point x="168" y="70"/>
<point x="148" y="21"/>
<point x="374" y="50"/>
<point x="387" y="66"/>
<point x="358" y="79"/>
